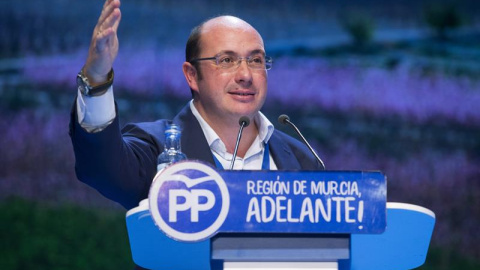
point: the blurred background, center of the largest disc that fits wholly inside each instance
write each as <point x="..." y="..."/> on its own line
<point x="374" y="85"/>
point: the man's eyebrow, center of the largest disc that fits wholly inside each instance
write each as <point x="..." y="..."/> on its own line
<point x="230" y="52"/>
<point x="227" y="52"/>
<point x="258" y="51"/>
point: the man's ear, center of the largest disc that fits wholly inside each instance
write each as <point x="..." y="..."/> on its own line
<point x="191" y="75"/>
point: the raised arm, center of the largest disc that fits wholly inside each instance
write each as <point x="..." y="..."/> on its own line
<point x="104" y="44"/>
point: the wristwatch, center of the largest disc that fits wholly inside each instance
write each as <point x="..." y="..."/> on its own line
<point x="86" y="89"/>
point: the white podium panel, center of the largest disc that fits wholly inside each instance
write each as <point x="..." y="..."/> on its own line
<point x="280" y="266"/>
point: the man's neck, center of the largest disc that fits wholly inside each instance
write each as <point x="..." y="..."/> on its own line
<point x="227" y="129"/>
<point x="229" y="133"/>
<point x="248" y="137"/>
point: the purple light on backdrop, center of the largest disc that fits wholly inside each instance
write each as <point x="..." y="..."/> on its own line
<point x="346" y="88"/>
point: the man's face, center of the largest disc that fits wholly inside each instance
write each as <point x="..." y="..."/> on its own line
<point x="228" y="94"/>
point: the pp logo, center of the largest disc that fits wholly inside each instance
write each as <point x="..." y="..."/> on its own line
<point x="189" y="201"/>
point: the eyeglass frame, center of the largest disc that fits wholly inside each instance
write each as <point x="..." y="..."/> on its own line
<point x="268" y="61"/>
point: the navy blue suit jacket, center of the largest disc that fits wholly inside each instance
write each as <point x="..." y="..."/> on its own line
<point x="121" y="164"/>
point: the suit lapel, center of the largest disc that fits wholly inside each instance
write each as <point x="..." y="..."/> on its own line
<point x="282" y="154"/>
<point x="194" y="143"/>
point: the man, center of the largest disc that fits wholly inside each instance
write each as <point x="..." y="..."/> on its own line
<point x="226" y="69"/>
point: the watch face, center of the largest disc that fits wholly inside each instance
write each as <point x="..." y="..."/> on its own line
<point x="82" y="86"/>
<point x="87" y="90"/>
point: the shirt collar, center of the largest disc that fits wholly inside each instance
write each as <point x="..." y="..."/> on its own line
<point x="265" y="128"/>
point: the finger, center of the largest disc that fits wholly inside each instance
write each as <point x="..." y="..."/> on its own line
<point x="108" y="28"/>
<point x="112" y="20"/>
<point x="105" y="12"/>
<point x="103" y="38"/>
<point x="106" y="3"/>
<point x="117" y="21"/>
<point x="109" y="7"/>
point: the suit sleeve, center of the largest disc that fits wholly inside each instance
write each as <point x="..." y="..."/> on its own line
<point x="121" y="167"/>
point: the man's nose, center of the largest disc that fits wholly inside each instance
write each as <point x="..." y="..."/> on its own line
<point x="243" y="73"/>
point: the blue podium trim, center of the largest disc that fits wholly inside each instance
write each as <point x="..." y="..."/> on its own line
<point x="403" y="245"/>
<point x="152" y="249"/>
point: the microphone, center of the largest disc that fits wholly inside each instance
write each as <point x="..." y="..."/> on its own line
<point x="243" y="122"/>
<point x="284" y="119"/>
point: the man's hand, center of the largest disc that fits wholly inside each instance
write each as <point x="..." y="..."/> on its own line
<point x="104" y="45"/>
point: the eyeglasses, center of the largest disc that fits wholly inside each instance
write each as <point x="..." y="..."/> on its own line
<point x="230" y="61"/>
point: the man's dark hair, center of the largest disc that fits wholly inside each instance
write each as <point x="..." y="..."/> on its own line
<point x="192" y="49"/>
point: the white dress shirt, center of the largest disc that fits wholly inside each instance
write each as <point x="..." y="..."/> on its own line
<point x="253" y="158"/>
<point x="96" y="113"/>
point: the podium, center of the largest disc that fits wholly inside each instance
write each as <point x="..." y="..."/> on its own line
<point x="275" y="220"/>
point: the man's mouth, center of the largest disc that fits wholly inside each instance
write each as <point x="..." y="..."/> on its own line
<point x="242" y="93"/>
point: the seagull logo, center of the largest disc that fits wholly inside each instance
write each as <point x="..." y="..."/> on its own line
<point x="189" y="182"/>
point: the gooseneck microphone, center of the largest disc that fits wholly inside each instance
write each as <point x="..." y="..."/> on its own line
<point x="285" y="120"/>
<point x="243" y="122"/>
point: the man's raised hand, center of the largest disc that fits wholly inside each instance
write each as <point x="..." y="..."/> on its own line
<point x="104" y="44"/>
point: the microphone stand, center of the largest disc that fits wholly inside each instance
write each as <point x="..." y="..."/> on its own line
<point x="243" y="122"/>
<point x="284" y="119"/>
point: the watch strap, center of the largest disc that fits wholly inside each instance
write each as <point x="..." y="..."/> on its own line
<point x="97" y="90"/>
